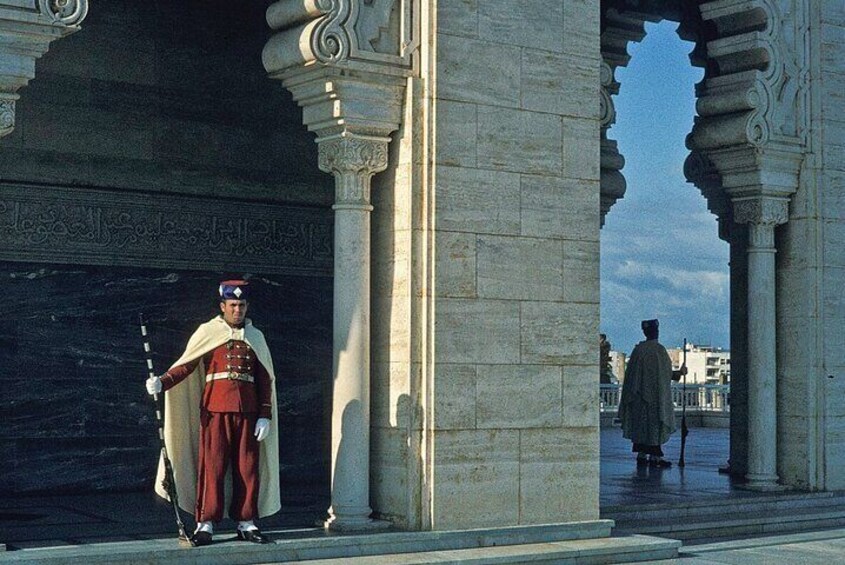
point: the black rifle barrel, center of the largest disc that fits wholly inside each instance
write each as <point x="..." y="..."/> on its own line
<point x="684" y="429"/>
<point x="168" y="483"/>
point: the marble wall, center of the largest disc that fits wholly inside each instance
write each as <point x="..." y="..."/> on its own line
<point x="76" y="416"/>
<point x="154" y="110"/>
<point x="164" y="96"/>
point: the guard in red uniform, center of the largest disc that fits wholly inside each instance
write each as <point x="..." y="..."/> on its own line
<point x="229" y="360"/>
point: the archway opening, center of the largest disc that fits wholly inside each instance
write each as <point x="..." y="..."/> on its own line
<point x="661" y="257"/>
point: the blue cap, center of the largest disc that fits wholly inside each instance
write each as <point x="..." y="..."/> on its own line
<point x="234" y="290"/>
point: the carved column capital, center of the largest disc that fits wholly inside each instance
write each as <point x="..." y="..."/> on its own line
<point x="761" y="210"/>
<point x="353" y="160"/>
<point x="762" y="214"/>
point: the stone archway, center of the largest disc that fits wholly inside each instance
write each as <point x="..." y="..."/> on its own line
<point x="747" y="147"/>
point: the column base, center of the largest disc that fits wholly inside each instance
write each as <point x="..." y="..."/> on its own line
<point x="355" y="524"/>
<point x="762" y="483"/>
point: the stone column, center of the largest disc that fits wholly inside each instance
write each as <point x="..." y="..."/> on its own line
<point x="353" y="160"/>
<point x="761" y="214"/>
<point x="346" y="63"/>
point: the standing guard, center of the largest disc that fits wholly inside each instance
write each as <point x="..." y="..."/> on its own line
<point x="224" y="406"/>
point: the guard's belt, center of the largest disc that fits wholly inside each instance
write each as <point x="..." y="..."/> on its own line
<point x="246" y="377"/>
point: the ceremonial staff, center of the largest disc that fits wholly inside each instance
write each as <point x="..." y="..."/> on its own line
<point x="168" y="483"/>
<point x="684" y="428"/>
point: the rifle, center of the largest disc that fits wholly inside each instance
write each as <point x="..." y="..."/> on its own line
<point x="684" y="428"/>
<point x="168" y="482"/>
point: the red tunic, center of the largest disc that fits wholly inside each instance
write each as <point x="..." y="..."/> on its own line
<point x="226" y="395"/>
<point x="230" y="407"/>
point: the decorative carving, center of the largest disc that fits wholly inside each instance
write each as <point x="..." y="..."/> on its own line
<point x="619" y="27"/>
<point x="759" y="92"/>
<point x="64" y="225"/>
<point x="67" y="12"/>
<point x="761" y="210"/>
<point x="752" y="104"/>
<point x="368" y="34"/>
<point x="607" y="112"/>
<point x="377" y="27"/>
<point x="331" y="41"/>
<point x="353" y="160"/>
<point x="7" y="115"/>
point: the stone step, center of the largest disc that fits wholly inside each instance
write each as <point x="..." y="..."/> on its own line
<point x="736" y="525"/>
<point x="626" y="549"/>
<point x="772" y="503"/>
<point x="596" y="551"/>
<point x="314" y="543"/>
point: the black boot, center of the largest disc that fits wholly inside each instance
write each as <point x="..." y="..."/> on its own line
<point x="255" y="536"/>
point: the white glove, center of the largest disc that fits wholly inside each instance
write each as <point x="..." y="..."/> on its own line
<point x="154" y="385"/>
<point x="262" y="429"/>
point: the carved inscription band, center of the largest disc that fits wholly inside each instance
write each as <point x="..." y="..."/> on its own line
<point x="93" y="227"/>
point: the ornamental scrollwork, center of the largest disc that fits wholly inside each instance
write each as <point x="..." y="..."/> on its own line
<point x="374" y="34"/>
<point x="7" y="116"/>
<point x="66" y="12"/>
<point x="607" y="113"/>
<point x="331" y="42"/>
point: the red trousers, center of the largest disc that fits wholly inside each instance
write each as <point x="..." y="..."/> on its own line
<point x="227" y="437"/>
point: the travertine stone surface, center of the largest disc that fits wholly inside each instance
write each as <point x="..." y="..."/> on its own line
<point x="518" y="396"/>
<point x="477" y="201"/>
<point x="516" y="290"/>
<point x="581" y="271"/>
<point x="559" y="333"/>
<point x="395" y="426"/>
<point x="524" y="23"/>
<point x="456" y="256"/>
<point x="455" y="397"/>
<point x="458" y="134"/>
<point x="514" y="140"/>
<point x="558" y="83"/>
<point x="478" y="478"/>
<point x="552" y="468"/>
<point x="579" y="396"/>
<point x="503" y="263"/>
<point x="558" y="207"/>
<point x="477" y="331"/>
<point x="810" y="274"/>
<point x="464" y="66"/>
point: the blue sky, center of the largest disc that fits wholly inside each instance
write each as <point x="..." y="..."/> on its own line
<point x="661" y="255"/>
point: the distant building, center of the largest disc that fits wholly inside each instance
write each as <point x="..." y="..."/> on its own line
<point x="705" y="364"/>
<point x="617" y="364"/>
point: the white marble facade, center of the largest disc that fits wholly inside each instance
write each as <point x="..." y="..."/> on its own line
<point x="467" y="272"/>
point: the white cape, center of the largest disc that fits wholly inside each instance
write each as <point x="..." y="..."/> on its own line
<point x="182" y="422"/>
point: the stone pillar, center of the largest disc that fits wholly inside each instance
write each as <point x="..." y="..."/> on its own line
<point x="353" y="160"/>
<point x="347" y="63"/>
<point x="761" y="214"/>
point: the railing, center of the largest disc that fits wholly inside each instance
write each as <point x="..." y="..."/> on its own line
<point x="699" y="397"/>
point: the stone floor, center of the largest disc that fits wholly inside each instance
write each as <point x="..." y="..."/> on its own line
<point x="63" y="520"/>
<point x="624" y="484"/>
